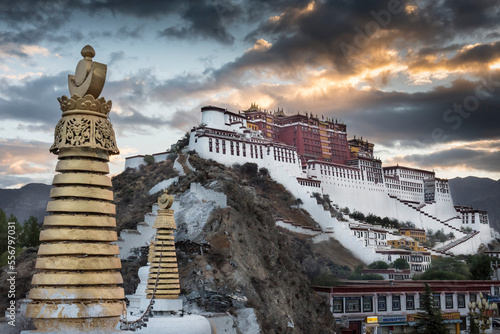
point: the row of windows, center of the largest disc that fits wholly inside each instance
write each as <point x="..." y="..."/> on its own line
<point x="234" y="119"/>
<point x="412" y="258"/>
<point x="364" y="234"/>
<point x="339" y="172"/>
<point x="281" y="154"/>
<point x="483" y="219"/>
<point x="235" y="148"/>
<point x="365" y="303"/>
<point x="309" y="184"/>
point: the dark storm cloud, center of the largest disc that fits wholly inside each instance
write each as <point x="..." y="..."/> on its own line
<point x="428" y="118"/>
<point x="185" y="119"/>
<point x="134" y="119"/>
<point x="125" y="32"/>
<point x="257" y="9"/>
<point x="30" y="22"/>
<point x="336" y="31"/>
<point x="114" y="57"/>
<point x="472" y="14"/>
<point x="34" y="102"/>
<point x="425" y="51"/>
<point x="183" y="86"/>
<point x="475" y="58"/>
<point x="204" y="20"/>
<point x="471" y="159"/>
<point x="478" y="54"/>
<point x="493" y="35"/>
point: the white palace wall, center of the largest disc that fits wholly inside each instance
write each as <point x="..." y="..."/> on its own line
<point x="223" y="137"/>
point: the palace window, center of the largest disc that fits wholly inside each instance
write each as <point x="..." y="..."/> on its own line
<point x="461" y="300"/>
<point x="396" y="303"/>
<point x="410" y="302"/>
<point x="223" y="147"/>
<point x="244" y="149"/>
<point x="353" y="304"/>
<point x="367" y="304"/>
<point x="338" y="305"/>
<point x="232" y="148"/>
<point x="217" y="145"/>
<point x="436" y="300"/>
<point x="449" y="300"/>
<point x="472" y="297"/>
<point x="382" y="303"/>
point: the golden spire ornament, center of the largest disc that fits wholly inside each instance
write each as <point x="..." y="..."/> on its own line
<point x="77" y="287"/>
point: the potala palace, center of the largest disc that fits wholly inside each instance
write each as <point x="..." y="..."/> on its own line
<point x="310" y="154"/>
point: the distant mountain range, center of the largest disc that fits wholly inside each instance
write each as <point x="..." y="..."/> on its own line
<point x="480" y="193"/>
<point x="30" y="200"/>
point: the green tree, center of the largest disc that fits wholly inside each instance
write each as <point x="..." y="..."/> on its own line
<point x="479" y="266"/>
<point x="30" y="234"/>
<point x="358" y="215"/>
<point x="357" y="275"/>
<point x="429" y="319"/>
<point x="250" y="168"/>
<point x="3" y="231"/>
<point x="446" y="268"/>
<point x="378" y="265"/>
<point x="372" y="277"/>
<point x="149" y="159"/>
<point x="326" y="279"/>
<point x="400" y="264"/>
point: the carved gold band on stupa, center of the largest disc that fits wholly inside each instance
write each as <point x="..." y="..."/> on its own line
<point x="84" y="123"/>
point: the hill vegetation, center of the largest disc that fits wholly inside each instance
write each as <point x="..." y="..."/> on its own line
<point x="243" y="253"/>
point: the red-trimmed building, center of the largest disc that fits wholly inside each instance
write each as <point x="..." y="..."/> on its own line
<point x="315" y="138"/>
<point x="384" y="307"/>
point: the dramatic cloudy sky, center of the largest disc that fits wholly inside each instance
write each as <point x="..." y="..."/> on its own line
<point x="419" y="78"/>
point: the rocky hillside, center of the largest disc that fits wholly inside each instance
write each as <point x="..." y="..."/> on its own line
<point x="241" y="259"/>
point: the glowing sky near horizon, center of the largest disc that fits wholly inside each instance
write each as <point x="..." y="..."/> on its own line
<point x="419" y="78"/>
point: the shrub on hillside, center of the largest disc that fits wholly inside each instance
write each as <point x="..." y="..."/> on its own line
<point x="249" y="168"/>
<point x="149" y="159"/>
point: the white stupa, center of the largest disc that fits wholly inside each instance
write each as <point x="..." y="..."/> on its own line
<point x="155" y="307"/>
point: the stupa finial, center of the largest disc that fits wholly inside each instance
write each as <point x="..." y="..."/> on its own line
<point x="89" y="75"/>
<point x="165" y="200"/>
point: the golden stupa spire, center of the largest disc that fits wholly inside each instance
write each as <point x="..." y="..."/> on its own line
<point x="77" y="287"/>
<point x="163" y="279"/>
